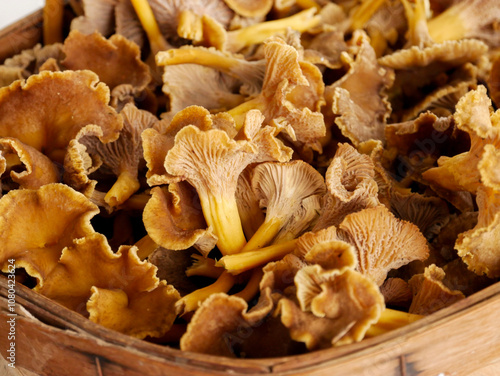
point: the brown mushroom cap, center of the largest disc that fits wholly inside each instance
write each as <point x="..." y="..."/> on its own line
<point x="77" y="99"/>
<point x="343" y="304"/>
<point x="396" y="292"/>
<point x="358" y="97"/>
<point x="124" y="292"/>
<point x="174" y="220"/>
<point x="102" y="56"/>
<point x="38" y="169"/>
<point x="478" y="247"/>
<point x="249" y="8"/>
<point x="473" y="115"/>
<point x="382" y="241"/>
<point x="429" y="292"/>
<point x="36" y="225"/>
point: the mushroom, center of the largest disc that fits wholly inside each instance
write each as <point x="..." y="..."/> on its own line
<point x="358" y="99"/>
<point x="248" y="8"/>
<point x="174" y="220"/>
<point x="53" y="14"/>
<point x="28" y="62"/>
<point x="396" y="292"/>
<point x="429" y="292"/>
<point x="98" y="16"/>
<point x="478" y="246"/>
<point x="36" y="225"/>
<point x="38" y="169"/>
<point x="247" y="200"/>
<point x="102" y="56"/>
<point x="473" y="115"/>
<point x="292" y="94"/>
<point x="382" y="242"/>
<point x="122" y="157"/>
<point x="342" y="305"/>
<point x="350" y="184"/>
<point x="467" y="19"/>
<point x="430" y="214"/>
<point x="118" y="290"/>
<point x="211" y="162"/>
<point x="282" y="189"/>
<point x="77" y="99"/>
<point x="230" y="323"/>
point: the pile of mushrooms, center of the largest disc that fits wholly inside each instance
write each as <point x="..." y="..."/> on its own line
<point x="255" y="179"/>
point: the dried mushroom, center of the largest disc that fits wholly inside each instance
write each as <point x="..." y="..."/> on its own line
<point x="429" y="292"/>
<point x="338" y="314"/>
<point x="254" y="179"/>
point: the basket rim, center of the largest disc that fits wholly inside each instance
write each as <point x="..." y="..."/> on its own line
<point x="46" y="310"/>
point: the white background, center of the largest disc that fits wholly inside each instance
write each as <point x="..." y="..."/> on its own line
<point x="13" y="10"/>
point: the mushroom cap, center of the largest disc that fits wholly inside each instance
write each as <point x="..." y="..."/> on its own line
<point x="36" y="225"/>
<point x="174" y="220"/>
<point x="359" y="98"/>
<point x="38" y="169"/>
<point x="250" y="8"/>
<point x="382" y="241"/>
<point x="77" y="99"/>
<point x="124" y="292"/>
<point x="429" y="292"/>
<point x="99" y="16"/>
<point x="478" y="247"/>
<point x="396" y="292"/>
<point x="473" y="115"/>
<point x="221" y="323"/>
<point x="282" y="187"/>
<point x="338" y="307"/>
<point x="138" y="314"/>
<point x="102" y="56"/>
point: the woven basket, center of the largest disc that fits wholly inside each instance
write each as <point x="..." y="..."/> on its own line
<point x="463" y="339"/>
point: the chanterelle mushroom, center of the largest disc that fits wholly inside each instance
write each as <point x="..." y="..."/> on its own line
<point x="36" y="225"/>
<point x="76" y="99"/>
<point x="282" y="188"/>
<point x="211" y="162"/>
<point x="382" y="241"/>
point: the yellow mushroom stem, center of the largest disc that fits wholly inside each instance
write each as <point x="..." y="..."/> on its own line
<point x="125" y="186"/>
<point x="239" y="112"/>
<point x="200" y="56"/>
<point x="136" y="202"/>
<point x="53" y="13"/>
<point x="264" y="234"/>
<point x="391" y="319"/>
<point x="203" y="266"/>
<point x="146" y="246"/>
<point x="241" y="262"/>
<point x="258" y="33"/>
<point x="448" y="25"/>
<point x="191" y="302"/>
<point x="222" y="215"/>
<point x="148" y="22"/>
<point x="306" y="4"/>
<point x="364" y="12"/>
<point x="252" y="287"/>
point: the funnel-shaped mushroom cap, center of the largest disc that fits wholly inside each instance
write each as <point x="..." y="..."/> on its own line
<point x="124" y="292"/>
<point x="338" y="307"/>
<point x="478" y="247"/>
<point x="474" y="116"/>
<point x="36" y="225"/>
<point x="359" y="96"/>
<point x="429" y="292"/>
<point x="174" y="219"/>
<point x="103" y="56"/>
<point x="76" y="99"/>
<point x="38" y="169"/>
<point x="382" y="241"/>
